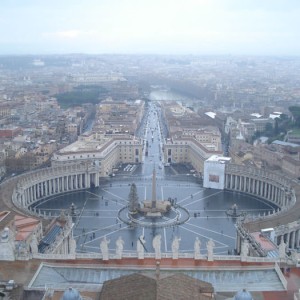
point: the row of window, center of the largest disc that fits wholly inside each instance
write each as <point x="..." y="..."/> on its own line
<point x="81" y="156"/>
<point x="88" y="156"/>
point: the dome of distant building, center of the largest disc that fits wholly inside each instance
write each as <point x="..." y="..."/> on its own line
<point x="71" y="294"/>
<point x="243" y="295"/>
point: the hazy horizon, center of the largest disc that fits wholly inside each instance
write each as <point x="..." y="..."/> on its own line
<point x="189" y="27"/>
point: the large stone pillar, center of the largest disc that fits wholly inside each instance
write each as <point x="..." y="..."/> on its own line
<point x="275" y="199"/>
<point x="22" y="200"/>
<point x="34" y="192"/>
<point x="269" y="191"/>
<point x="292" y="239"/>
<point x="40" y="190"/>
<point x="282" y="197"/>
<point x="64" y="186"/>
<point x="97" y="179"/>
<point x="46" y="188"/>
<point x="261" y="188"/>
<point x="297" y="238"/>
<point x="80" y="180"/>
<point x="30" y="193"/>
<point x="40" y="187"/>
<point x="87" y="180"/>
<point x="26" y="196"/>
<point x="74" y="182"/>
<point x="256" y="186"/>
<point x="61" y="180"/>
<point x="43" y="188"/>
<point x="37" y="187"/>
<point x="50" y="187"/>
<point x="272" y="196"/>
<point x="288" y="239"/>
<point x="67" y="183"/>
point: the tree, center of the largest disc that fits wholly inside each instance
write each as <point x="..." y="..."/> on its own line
<point x="276" y="127"/>
<point x="133" y="198"/>
<point x="295" y="111"/>
<point x="21" y="164"/>
<point x="268" y="129"/>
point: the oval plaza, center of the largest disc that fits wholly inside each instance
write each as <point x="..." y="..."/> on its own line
<point x="91" y="203"/>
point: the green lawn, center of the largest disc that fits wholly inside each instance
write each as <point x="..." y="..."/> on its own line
<point x="296" y="131"/>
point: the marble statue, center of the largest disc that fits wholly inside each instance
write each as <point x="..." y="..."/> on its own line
<point x="210" y="250"/>
<point x="69" y="221"/>
<point x="104" y="248"/>
<point x="34" y="245"/>
<point x="140" y="247"/>
<point x="119" y="247"/>
<point x="7" y="249"/>
<point x="175" y="247"/>
<point x="197" y="246"/>
<point x="156" y="245"/>
<point x="62" y="215"/>
<point x="5" y="235"/>
<point x="282" y="249"/>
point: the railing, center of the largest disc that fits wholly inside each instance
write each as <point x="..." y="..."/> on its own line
<point x="281" y="276"/>
<point x="54" y="256"/>
<point x="129" y="254"/>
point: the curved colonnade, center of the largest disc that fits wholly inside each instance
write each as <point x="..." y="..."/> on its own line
<point x="275" y="188"/>
<point x="266" y="185"/>
<point x="40" y="184"/>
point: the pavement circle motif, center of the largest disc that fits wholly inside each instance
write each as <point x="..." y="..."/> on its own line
<point x="178" y="215"/>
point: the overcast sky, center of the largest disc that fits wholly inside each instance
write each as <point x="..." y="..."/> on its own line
<point x="258" y="27"/>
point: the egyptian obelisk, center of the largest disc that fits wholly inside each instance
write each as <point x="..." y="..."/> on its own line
<point x="153" y="206"/>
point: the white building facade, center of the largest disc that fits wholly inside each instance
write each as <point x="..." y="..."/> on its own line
<point x="214" y="172"/>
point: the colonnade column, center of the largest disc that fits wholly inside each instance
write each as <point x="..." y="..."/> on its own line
<point x="97" y="179"/>
<point x="87" y="180"/>
<point x="292" y="240"/>
<point x="297" y="238"/>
